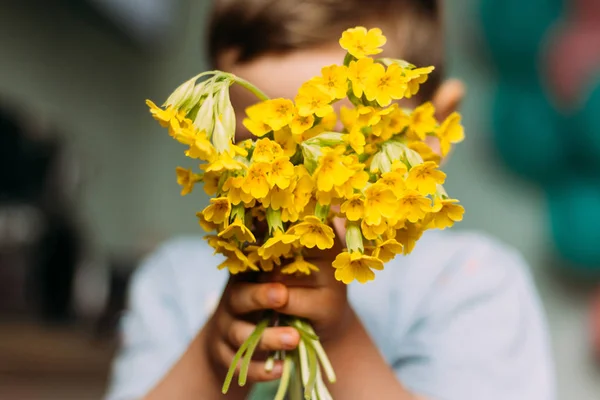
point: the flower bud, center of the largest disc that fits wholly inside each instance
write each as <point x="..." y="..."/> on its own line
<point x="311" y="153"/>
<point x="381" y="163"/>
<point x="226" y="112"/>
<point x="205" y="120"/>
<point x="220" y="138"/>
<point x="327" y="139"/>
<point x="401" y="63"/>
<point x="354" y="237"/>
<point x="181" y="95"/>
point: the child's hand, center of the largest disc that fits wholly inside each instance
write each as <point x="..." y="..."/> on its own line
<point x="318" y="297"/>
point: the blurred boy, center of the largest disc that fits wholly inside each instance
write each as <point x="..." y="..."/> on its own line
<point x="458" y="319"/>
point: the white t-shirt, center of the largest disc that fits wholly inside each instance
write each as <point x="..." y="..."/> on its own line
<point x="458" y="319"/>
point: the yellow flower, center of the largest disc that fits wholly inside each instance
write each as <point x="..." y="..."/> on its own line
<point x="265" y="265"/>
<point x="373" y="231"/>
<point x="285" y="140"/>
<point x="379" y="202"/>
<point x="331" y="169"/>
<point x="278" y="198"/>
<point x="399" y="167"/>
<point x="256" y="182"/>
<point x="266" y="151"/>
<point x="238" y="230"/>
<point x="358" y="72"/>
<point x="206" y="225"/>
<point x="312" y="232"/>
<point x="234" y="265"/>
<point x="282" y="172"/>
<point x="394" y="180"/>
<point x="235" y="194"/>
<point x="408" y="236"/>
<point x="357" y="181"/>
<point x="351" y="266"/>
<point x="255" y="123"/>
<point x="303" y="191"/>
<point x="299" y="265"/>
<point x="333" y="81"/>
<point x="163" y="117"/>
<point x="325" y="198"/>
<point x="353" y="208"/>
<point x="414" y="205"/>
<point x="361" y="43"/>
<point x="218" y="211"/>
<point x="279" y="245"/>
<point x="312" y="100"/>
<point x="416" y="77"/>
<point x="279" y="113"/>
<point x="384" y="85"/>
<point x="422" y="121"/>
<point x="446" y="213"/>
<point x="201" y="148"/>
<point x="224" y="162"/>
<point x="236" y="261"/>
<point x="425" y="178"/>
<point x="211" y="182"/>
<point x="451" y="131"/>
<point x="301" y="123"/>
<point x="387" y="250"/>
<point x="186" y="131"/>
<point x="426" y="152"/>
<point x="186" y="178"/>
<point x="356" y="140"/>
<point x="392" y="123"/>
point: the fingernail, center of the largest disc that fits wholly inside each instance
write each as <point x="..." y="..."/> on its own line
<point x="287" y="339"/>
<point x="274" y="296"/>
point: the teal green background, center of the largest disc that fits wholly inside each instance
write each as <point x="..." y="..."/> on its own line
<point x="129" y="197"/>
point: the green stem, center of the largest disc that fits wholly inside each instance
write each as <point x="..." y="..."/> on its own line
<point x="233" y="365"/>
<point x="296" y="380"/>
<point x="322" y="212"/>
<point x="313" y="366"/>
<point x="322" y="355"/>
<point x="285" y="378"/>
<point x="255" y="338"/>
<point x="247" y="85"/>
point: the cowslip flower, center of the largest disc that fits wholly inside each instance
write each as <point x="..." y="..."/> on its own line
<point x="186" y="179"/>
<point x="361" y="43"/>
<point x="312" y="100"/>
<point x="385" y="85"/>
<point x="238" y="230"/>
<point x="351" y="266"/>
<point x="278" y="245"/>
<point x="450" y="132"/>
<point x="358" y="72"/>
<point x="218" y="211"/>
<point x="333" y="81"/>
<point x="299" y="266"/>
<point x="256" y="182"/>
<point x="422" y="121"/>
<point x="425" y="178"/>
<point x="312" y="232"/>
<point x="446" y="212"/>
<point x="415" y="78"/>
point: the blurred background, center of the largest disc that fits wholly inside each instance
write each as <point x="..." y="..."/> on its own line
<point x="87" y="182"/>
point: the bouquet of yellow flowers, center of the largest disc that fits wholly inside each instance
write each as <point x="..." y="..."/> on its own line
<point x="378" y="174"/>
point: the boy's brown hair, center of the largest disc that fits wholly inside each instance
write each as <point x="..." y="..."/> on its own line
<point x="255" y="27"/>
